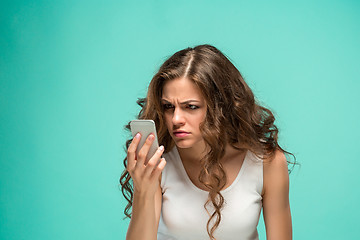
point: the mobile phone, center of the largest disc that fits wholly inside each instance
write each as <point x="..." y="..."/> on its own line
<point x="145" y="128"/>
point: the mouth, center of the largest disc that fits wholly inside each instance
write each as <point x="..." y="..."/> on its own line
<point x="180" y="134"/>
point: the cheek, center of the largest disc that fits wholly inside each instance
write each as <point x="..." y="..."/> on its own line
<point x="198" y="120"/>
<point x="168" y="120"/>
<point x="202" y="116"/>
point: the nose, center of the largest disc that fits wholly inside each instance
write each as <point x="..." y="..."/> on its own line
<point x="178" y="117"/>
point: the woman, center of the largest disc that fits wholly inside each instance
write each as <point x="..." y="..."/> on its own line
<point x="221" y="159"/>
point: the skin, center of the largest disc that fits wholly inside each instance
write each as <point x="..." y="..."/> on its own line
<point x="147" y="193"/>
<point x="276" y="206"/>
<point x="185" y="109"/>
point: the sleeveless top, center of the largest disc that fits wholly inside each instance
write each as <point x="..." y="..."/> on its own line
<point x="183" y="216"/>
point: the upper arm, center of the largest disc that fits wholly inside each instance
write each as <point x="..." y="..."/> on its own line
<point x="276" y="206"/>
<point x="158" y="202"/>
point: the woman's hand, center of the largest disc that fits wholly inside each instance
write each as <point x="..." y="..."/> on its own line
<point x="146" y="206"/>
<point x="145" y="176"/>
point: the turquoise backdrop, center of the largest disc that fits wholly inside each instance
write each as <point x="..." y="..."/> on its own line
<point x="71" y="71"/>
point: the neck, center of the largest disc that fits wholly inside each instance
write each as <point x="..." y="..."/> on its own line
<point x="194" y="154"/>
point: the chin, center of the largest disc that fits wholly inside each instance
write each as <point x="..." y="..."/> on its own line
<point x="182" y="145"/>
<point x="188" y="143"/>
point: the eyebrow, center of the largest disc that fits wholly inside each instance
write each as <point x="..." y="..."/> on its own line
<point x="185" y="102"/>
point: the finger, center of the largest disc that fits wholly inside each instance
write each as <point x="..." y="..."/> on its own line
<point x="153" y="161"/>
<point x="145" y="149"/>
<point x="131" y="153"/>
<point x="158" y="169"/>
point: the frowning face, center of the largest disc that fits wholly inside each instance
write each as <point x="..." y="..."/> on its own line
<point x="184" y="110"/>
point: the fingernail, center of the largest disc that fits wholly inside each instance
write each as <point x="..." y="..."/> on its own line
<point x="137" y="135"/>
<point x="151" y="137"/>
<point x="161" y="148"/>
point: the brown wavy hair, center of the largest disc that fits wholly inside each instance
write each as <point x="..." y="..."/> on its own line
<point x="233" y="117"/>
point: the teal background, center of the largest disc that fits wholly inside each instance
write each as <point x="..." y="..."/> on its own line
<point x="71" y="71"/>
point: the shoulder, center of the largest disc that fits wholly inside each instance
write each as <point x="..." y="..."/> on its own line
<point x="277" y="163"/>
<point x="276" y="176"/>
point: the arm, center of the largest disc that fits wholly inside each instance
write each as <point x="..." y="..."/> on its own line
<point x="276" y="207"/>
<point x="146" y="206"/>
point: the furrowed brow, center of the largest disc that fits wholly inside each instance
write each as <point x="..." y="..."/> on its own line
<point x="185" y="102"/>
<point x="190" y="101"/>
<point x="164" y="100"/>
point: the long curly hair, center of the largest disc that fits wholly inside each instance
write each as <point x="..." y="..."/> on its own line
<point x="233" y="117"/>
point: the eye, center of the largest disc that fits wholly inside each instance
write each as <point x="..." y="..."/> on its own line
<point x="192" y="107"/>
<point x="167" y="106"/>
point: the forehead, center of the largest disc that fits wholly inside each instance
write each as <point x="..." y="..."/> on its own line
<point x="181" y="89"/>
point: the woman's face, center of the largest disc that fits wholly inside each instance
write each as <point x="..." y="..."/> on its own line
<point x="184" y="110"/>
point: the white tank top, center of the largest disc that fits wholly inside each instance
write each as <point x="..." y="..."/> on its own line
<point x="183" y="216"/>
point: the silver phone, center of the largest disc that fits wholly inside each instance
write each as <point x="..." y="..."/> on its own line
<point x="145" y="128"/>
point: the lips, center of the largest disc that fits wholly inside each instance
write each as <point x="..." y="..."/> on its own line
<point x="180" y="134"/>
